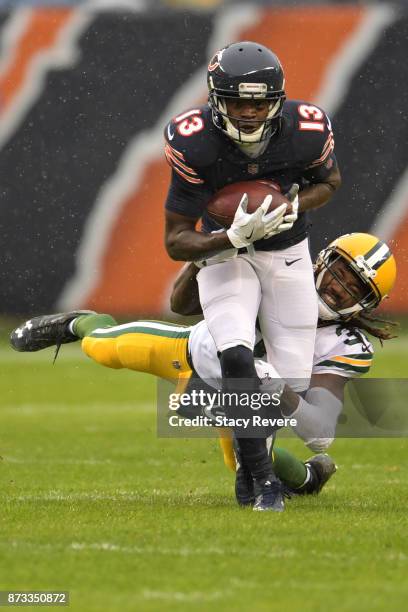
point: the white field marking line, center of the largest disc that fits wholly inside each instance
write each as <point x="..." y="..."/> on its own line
<point x="394" y="211"/>
<point x="117" y="496"/>
<point x="183" y="551"/>
<point x="53" y="461"/>
<point x="194" y="596"/>
<point x="63" y="54"/>
<point x="116" y="407"/>
<point x="58" y="496"/>
<point x="96" y="496"/>
<point x="340" y="71"/>
<point x="152" y="550"/>
<point x="140" y="152"/>
<point x="66" y="354"/>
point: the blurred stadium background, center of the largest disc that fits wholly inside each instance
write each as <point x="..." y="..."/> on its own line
<point x="85" y="89"/>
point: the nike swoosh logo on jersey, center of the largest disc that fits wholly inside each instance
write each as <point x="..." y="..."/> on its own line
<point x="289" y="263"/>
<point x="170" y="135"/>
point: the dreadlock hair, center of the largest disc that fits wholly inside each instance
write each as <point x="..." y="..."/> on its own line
<point x="379" y="328"/>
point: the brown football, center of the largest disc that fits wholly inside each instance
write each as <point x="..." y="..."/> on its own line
<point x="223" y="205"/>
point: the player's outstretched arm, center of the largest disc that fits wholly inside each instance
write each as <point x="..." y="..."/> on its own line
<point x="184" y="299"/>
<point x="318" y="412"/>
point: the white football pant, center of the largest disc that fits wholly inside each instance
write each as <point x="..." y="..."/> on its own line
<point x="276" y="286"/>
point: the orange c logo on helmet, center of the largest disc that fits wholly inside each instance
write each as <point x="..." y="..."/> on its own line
<point x="214" y="63"/>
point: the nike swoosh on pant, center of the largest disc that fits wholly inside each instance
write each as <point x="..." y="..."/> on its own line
<point x="289" y="263"/>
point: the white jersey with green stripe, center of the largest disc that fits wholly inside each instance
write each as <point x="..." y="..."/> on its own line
<point x="338" y="350"/>
<point x="342" y="351"/>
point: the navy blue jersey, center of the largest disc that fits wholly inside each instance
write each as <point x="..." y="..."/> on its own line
<point x="203" y="160"/>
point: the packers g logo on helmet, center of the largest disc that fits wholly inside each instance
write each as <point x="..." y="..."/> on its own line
<point x="370" y="259"/>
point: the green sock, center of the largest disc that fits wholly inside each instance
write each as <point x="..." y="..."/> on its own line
<point x="84" y="325"/>
<point x="288" y="468"/>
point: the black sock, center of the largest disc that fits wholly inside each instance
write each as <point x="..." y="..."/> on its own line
<point x="239" y="376"/>
<point x="255" y="456"/>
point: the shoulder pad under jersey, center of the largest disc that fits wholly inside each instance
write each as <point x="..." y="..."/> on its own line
<point x="342" y="351"/>
<point x="311" y="132"/>
<point x="193" y="138"/>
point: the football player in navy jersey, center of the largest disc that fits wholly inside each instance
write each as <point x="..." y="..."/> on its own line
<point x="249" y="131"/>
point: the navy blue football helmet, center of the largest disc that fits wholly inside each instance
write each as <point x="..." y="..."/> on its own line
<point x="246" y="70"/>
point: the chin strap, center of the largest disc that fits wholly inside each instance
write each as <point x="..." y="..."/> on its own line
<point x="235" y="134"/>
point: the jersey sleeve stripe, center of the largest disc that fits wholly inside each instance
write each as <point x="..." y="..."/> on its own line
<point x="344" y="366"/>
<point x="327" y="150"/>
<point x="176" y="153"/>
<point x="188" y="178"/>
<point x="176" y="166"/>
<point x="185" y="176"/>
<point x="328" y="143"/>
<point x="169" y="154"/>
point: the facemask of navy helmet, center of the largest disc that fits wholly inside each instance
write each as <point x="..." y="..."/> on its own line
<point x="246" y="70"/>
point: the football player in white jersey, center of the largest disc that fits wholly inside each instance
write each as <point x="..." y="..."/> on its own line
<point x="353" y="275"/>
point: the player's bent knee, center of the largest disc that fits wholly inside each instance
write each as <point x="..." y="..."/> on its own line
<point x="232" y="344"/>
<point x="238" y="362"/>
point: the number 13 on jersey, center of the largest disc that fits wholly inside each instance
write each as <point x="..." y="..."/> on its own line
<point x="189" y="123"/>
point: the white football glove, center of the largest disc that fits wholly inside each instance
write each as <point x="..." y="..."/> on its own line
<point x="290" y="218"/>
<point x="246" y="228"/>
<point x="319" y="445"/>
<point x="273" y="220"/>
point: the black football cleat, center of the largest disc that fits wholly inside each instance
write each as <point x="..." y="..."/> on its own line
<point x="271" y="497"/>
<point x="322" y="468"/>
<point x="48" y="330"/>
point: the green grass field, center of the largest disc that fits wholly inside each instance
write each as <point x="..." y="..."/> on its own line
<point x="94" y="503"/>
